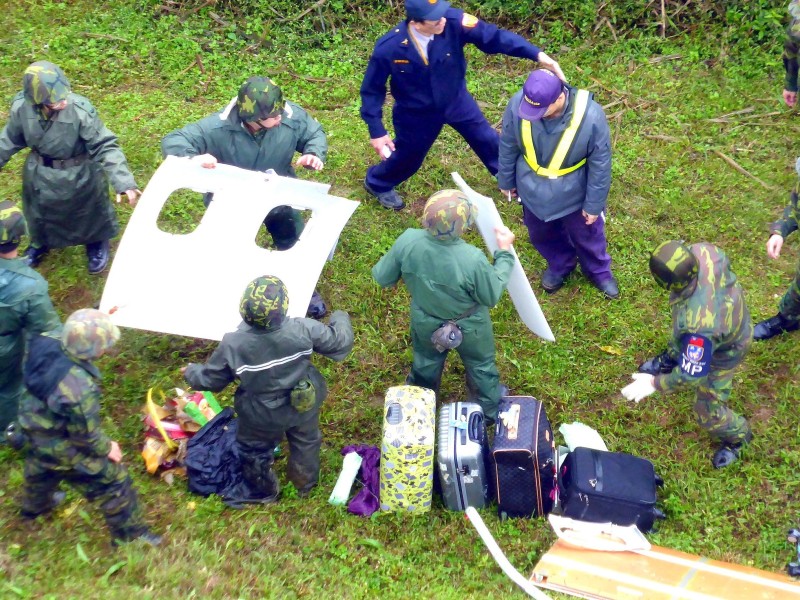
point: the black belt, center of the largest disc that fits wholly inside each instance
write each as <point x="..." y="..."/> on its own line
<point x="59" y="163"/>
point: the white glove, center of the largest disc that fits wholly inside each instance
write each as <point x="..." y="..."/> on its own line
<point x="643" y="385"/>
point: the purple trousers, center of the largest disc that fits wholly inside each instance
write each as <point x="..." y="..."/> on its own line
<point x="569" y="240"/>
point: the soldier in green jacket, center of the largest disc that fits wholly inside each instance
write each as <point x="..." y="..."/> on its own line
<point x="449" y="279"/>
<point x="280" y="391"/>
<point x="60" y="420"/>
<point x="788" y="317"/>
<point x="64" y="185"/>
<point x="25" y="310"/>
<point x="258" y="130"/>
<point x="711" y="334"/>
<point x="790" y="51"/>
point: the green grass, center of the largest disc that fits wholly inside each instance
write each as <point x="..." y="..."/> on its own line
<point x="137" y="68"/>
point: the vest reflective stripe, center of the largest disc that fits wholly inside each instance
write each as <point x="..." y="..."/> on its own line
<point x="554" y="170"/>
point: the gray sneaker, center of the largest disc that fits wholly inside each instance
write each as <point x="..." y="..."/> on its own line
<point x="390" y="199"/>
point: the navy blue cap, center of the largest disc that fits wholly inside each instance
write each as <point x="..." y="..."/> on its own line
<point x="426" y="10"/>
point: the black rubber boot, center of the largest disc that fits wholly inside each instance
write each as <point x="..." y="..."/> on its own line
<point x="56" y="499"/>
<point x="33" y="255"/>
<point x="728" y="453"/>
<point x="317" y="307"/>
<point x="145" y="535"/>
<point x="662" y="363"/>
<point x="774" y="326"/>
<point x="97" y="253"/>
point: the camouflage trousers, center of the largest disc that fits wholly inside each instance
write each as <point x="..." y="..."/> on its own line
<point x="712" y="411"/>
<point x="257" y="444"/>
<point x="97" y="479"/>
<point x="790" y="303"/>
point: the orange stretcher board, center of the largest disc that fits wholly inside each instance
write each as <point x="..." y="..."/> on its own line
<point x="656" y="574"/>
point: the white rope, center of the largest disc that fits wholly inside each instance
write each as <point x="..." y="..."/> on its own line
<point x="500" y="558"/>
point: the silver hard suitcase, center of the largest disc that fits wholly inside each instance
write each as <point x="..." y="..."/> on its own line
<point x="462" y="452"/>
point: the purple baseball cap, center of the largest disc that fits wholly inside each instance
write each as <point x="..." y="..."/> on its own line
<point x="541" y="89"/>
<point x="427" y="10"/>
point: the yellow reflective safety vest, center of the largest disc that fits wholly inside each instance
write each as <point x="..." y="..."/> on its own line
<point x="554" y="170"/>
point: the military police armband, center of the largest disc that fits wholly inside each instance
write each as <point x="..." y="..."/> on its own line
<point x="695" y="355"/>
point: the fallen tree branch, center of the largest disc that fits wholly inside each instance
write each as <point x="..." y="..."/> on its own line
<point x="306" y="11"/>
<point x="741" y="169"/>
<point x="104" y="36"/>
<point x="663" y="138"/>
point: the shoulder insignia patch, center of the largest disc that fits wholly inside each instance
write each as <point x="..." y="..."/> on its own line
<point x="469" y="20"/>
<point x="404" y="42"/>
<point x="696" y="351"/>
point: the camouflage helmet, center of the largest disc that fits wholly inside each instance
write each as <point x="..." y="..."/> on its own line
<point x="45" y="83"/>
<point x="88" y="333"/>
<point x="259" y="98"/>
<point x="12" y="223"/>
<point x="673" y="265"/>
<point x="448" y="214"/>
<point x="265" y="302"/>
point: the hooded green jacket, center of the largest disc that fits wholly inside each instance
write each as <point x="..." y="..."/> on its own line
<point x="224" y="136"/>
<point x="25" y="310"/>
<point x="69" y="205"/>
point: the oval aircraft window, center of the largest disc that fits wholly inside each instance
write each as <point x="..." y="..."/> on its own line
<point x="182" y="212"/>
<point x="282" y="227"/>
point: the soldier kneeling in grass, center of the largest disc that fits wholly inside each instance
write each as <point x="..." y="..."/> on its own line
<point x="280" y="392"/>
<point x="60" y="424"/>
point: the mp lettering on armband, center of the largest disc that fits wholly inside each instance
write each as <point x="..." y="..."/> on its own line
<point x="696" y="353"/>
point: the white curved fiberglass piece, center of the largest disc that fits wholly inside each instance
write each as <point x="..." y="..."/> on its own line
<point x="190" y="284"/>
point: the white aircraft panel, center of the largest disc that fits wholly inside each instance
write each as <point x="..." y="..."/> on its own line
<point x="191" y="284"/>
<point x="519" y="288"/>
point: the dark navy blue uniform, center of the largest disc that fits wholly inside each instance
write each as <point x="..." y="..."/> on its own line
<point x="428" y="96"/>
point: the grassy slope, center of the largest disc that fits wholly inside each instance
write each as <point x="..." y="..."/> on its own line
<point x="662" y="188"/>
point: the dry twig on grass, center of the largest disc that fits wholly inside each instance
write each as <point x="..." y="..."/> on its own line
<point x="741" y="169"/>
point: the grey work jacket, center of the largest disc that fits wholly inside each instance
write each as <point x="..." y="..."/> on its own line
<point x="584" y="189"/>
<point x="269" y="363"/>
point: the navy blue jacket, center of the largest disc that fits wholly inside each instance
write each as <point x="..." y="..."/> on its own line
<point x="417" y="86"/>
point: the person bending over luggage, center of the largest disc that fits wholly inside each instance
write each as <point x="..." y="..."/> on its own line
<point x="711" y="334"/>
<point x="280" y="391"/>
<point x="60" y="425"/>
<point x="450" y="280"/>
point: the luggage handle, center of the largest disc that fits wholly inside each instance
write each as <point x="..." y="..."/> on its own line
<point x="394" y="413"/>
<point x="597" y="482"/>
<point x="476" y="427"/>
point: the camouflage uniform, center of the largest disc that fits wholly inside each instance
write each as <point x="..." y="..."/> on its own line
<point x="711" y="334"/>
<point x="270" y="356"/>
<point x="64" y="186"/>
<point x="789" y="307"/>
<point x="25" y="310"/>
<point x="224" y="136"/>
<point x="790" y="47"/>
<point x="61" y="419"/>
<point x="447" y="278"/>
